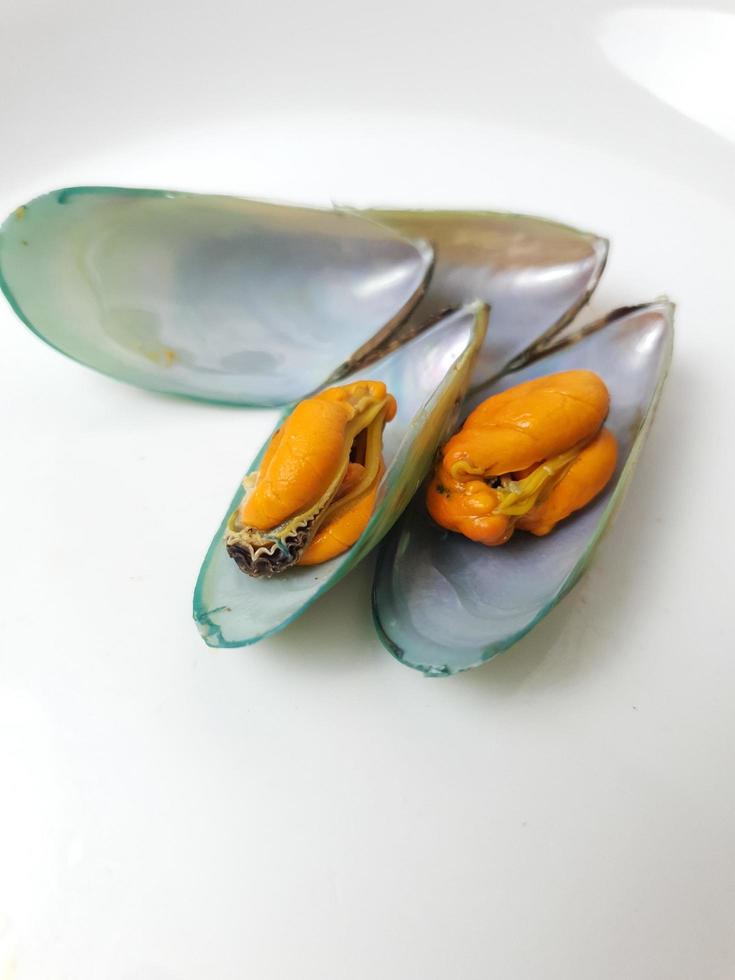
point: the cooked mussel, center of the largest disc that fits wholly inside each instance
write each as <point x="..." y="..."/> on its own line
<point x="243" y="302"/>
<point x="443" y="603"/>
<point x="526" y="458"/>
<point x="315" y="488"/>
<point x="429" y="377"/>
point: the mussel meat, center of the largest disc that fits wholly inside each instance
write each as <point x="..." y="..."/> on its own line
<point x="526" y="458"/>
<point x="315" y="488"/>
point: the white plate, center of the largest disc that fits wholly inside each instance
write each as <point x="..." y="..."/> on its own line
<point x="307" y="808"/>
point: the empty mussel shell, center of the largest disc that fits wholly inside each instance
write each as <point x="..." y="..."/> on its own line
<point x="218" y="298"/>
<point x="535" y="275"/>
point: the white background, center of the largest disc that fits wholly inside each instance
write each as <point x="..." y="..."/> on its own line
<point x="308" y="809"/>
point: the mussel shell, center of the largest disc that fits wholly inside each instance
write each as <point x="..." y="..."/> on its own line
<point x="214" y="297"/>
<point x="534" y="274"/>
<point x="442" y="603"/>
<point x="429" y="377"/>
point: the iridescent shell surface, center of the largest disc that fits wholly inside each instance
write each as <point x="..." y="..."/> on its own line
<point x="218" y="298"/>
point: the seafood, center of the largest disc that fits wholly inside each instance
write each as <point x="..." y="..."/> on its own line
<point x="429" y="376"/>
<point x="243" y="302"/>
<point x="441" y="603"/>
<point x="526" y="458"/>
<point x="315" y="489"/>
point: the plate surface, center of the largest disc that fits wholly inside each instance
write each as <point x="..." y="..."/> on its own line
<point x="307" y="809"/>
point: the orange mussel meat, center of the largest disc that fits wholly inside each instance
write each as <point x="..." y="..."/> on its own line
<point x="316" y="486"/>
<point x="525" y="459"/>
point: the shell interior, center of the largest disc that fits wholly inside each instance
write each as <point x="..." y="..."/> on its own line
<point x="534" y="274"/>
<point x="442" y="603"/>
<point x="429" y="377"/>
<point x="218" y="298"/>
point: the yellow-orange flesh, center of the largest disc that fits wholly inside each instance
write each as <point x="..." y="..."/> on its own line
<point x="327" y="459"/>
<point x="342" y="529"/>
<point x="526" y="458"/>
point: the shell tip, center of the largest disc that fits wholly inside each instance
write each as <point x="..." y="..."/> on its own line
<point x="210" y="631"/>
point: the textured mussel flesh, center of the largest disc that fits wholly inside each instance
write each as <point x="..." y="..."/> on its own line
<point x="315" y="488"/>
<point x="526" y="458"/>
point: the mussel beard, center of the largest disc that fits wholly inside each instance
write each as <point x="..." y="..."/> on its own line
<point x="263" y="554"/>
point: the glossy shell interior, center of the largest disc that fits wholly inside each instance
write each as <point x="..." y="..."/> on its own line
<point x="442" y="603"/>
<point x="534" y="274"/>
<point x="429" y="377"/>
<point x="218" y="298"/>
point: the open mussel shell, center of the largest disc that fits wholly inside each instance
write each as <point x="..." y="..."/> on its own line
<point x="218" y="298"/>
<point x="442" y="603"/>
<point x="429" y="377"/>
<point x="535" y="275"/>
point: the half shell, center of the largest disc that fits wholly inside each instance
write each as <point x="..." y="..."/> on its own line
<point x="535" y="275"/>
<point x="442" y="603"/>
<point x="217" y="298"/>
<point x="429" y="377"/>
